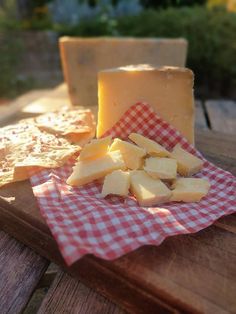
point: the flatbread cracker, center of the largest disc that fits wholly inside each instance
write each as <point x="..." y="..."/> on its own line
<point x="24" y="156"/>
<point x="72" y="124"/>
<point x="25" y="148"/>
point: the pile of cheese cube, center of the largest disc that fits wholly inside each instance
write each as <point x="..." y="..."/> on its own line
<point x="144" y="167"/>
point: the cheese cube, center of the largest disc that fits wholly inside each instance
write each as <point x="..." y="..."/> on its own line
<point x="116" y="183"/>
<point x="147" y="190"/>
<point x="95" y="148"/>
<point x="132" y="154"/>
<point x="187" y="164"/>
<point x="189" y="189"/>
<point x="168" y="90"/>
<point x="86" y="171"/>
<point x="161" y="168"/>
<point x="82" y="58"/>
<point x="151" y="147"/>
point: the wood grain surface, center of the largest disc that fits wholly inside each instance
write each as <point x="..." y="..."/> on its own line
<point x="200" y="120"/>
<point x="189" y="273"/>
<point x="69" y="295"/>
<point x="218" y="148"/>
<point x="222" y="115"/>
<point x="20" y="272"/>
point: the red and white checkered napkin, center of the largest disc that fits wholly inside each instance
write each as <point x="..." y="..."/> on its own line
<point x="83" y="222"/>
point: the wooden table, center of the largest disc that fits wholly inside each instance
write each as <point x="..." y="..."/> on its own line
<point x="185" y="274"/>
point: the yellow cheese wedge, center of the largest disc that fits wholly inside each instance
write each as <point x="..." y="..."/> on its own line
<point x="169" y="90"/>
<point x="151" y="147"/>
<point x="147" y="190"/>
<point x="95" y="149"/>
<point x="189" y="189"/>
<point x="82" y="58"/>
<point x="187" y="164"/>
<point x="161" y="168"/>
<point x="132" y="154"/>
<point x="86" y="171"/>
<point x="116" y="183"/>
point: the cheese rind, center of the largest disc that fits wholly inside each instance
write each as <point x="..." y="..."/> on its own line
<point x="189" y="189"/>
<point x="148" y="191"/>
<point x="95" y="148"/>
<point x="161" y="168"/>
<point x="152" y="148"/>
<point x="132" y="154"/>
<point x="187" y="164"/>
<point x="82" y="58"/>
<point x="117" y="183"/>
<point x="168" y="90"/>
<point x="86" y="171"/>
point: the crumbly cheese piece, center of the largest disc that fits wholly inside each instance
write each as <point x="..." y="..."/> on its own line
<point x="117" y="183"/>
<point x="168" y="90"/>
<point x="187" y="164"/>
<point x="95" y="148"/>
<point x="86" y="171"/>
<point x="151" y="147"/>
<point x="147" y="190"/>
<point x="82" y="58"/>
<point x="189" y="189"/>
<point x="161" y="168"/>
<point x="132" y="154"/>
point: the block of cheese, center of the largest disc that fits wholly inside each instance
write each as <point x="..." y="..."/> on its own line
<point x="95" y="148"/>
<point x="116" y="183"/>
<point x="161" y="168"/>
<point x="169" y="90"/>
<point x="82" y="58"/>
<point x="151" y="147"/>
<point x="147" y="190"/>
<point x="187" y="164"/>
<point x="132" y="154"/>
<point x="189" y="189"/>
<point x="86" y="171"/>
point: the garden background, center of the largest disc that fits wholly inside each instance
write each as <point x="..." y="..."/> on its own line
<point x="29" y="32"/>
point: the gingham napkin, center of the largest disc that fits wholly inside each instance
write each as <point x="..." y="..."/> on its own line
<point x="82" y="222"/>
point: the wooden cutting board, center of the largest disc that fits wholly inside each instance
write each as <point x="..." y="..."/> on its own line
<point x="185" y="274"/>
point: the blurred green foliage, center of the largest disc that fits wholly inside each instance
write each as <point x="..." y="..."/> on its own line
<point x="9" y="55"/>
<point x="34" y="15"/>
<point x="8" y="15"/>
<point x="11" y="50"/>
<point x="99" y="26"/>
<point x="210" y="34"/>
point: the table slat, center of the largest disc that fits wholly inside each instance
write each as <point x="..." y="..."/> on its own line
<point x="152" y="276"/>
<point x="171" y="265"/>
<point x="227" y="223"/>
<point x="20" y="272"/>
<point x="162" y="272"/>
<point x="222" y="115"/>
<point x="69" y="295"/>
<point x="200" y="119"/>
<point x="9" y="112"/>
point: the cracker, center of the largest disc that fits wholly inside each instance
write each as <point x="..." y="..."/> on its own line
<point x="72" y="124"/>
<point x="26" y="148"/>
